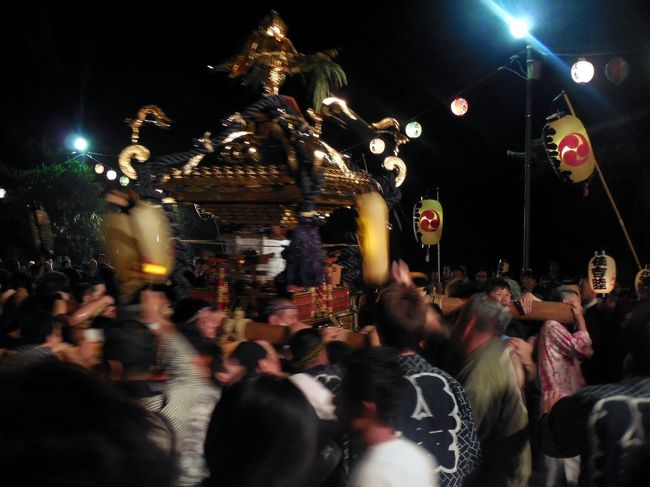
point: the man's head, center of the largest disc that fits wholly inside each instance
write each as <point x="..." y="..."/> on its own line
<point x="257" y="357"/>
<point x="498" y="290"/>
<point x="308" y="349"/>
<point x="482" y="276"/>
<point x="400" y="316"/>
<point x="66" y="263"/>
<point x="568" y="294"/>
<point x="480" y="320"/>
<point x="133" y="346"/>
<point x="198" y="314"/>
<point x="371" y="390"/>
<point x="39" y="327"/>
<point x="528" y="281"/>
<point x="63" y="426"/>
<point x="282" y="312"/>
<point x="92" y="290"/>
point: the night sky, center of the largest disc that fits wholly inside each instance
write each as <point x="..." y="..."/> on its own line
<point x="69" y="69"/>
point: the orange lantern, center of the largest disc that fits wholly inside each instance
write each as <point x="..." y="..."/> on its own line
<point x="568" y="149"/>
<point x="602" y="273"/>
<point x="642" y="275"/>
<point x="459" y="106"/>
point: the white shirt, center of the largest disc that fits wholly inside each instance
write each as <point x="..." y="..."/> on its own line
<point x="395" y="463"/>
<point x="319" y="396"/>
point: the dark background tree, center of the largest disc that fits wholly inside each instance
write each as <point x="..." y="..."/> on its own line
<point x="69" y="194"/>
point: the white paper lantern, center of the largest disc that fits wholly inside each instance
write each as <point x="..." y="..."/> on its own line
<point x="413" y="130"/>
<point x="111" y="175"/>
<point x="377" y="146"/>
<point x="602" y="273"/>
<point x="582" y="71"/>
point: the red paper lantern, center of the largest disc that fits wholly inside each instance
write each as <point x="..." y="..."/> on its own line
<point x="616" y="70"/>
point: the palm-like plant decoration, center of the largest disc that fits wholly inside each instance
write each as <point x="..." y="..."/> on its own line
<point x="325" y="75"/>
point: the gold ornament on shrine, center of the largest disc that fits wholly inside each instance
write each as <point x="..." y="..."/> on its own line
<point x="602" y="273"/>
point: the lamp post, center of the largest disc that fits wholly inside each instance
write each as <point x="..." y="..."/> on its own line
<point x="530" y="72"/>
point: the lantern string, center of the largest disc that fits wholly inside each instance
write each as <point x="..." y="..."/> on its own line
<point x="600" y="53"/>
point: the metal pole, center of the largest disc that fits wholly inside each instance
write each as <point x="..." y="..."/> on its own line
<point x="528" y="143"/>
<point x="439" y="273"/>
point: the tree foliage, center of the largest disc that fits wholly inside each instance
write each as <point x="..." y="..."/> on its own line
<point x="69" y="194"/>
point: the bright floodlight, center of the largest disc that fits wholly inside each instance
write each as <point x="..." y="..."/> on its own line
<point x="111" y="175"/>
<point x="518" y="28"/>
<point x="80" y="144"/>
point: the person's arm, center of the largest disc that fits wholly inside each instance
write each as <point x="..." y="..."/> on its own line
<point x="88" y="311"/>
<point x="576" y="344"/>
<point x="176" y="352"/>
<point x="524" y="353"/>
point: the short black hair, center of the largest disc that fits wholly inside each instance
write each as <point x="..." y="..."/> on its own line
<point x="496" y="283"/>
<point x="131" y="344"/>
<point x="337" y="351"/>
<point x="400" y="315"/>
<point x="187" y="308"/>
<point x="529" y="273"/>
<point x="63" y="426"/>
<point x="304" y="345"/>
<point x="372" y="375"/>
<point x="263" y="431"/>
<point x="53" y="282"/>
<point x="35" y="326"/>
<point x="249" y="354"/>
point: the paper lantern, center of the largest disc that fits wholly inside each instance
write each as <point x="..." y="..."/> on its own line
<point x="602" y="273"/>
<point x="377" y="146"/>
<point x="99" y="168"/>
<point x="616" y="70"/>
<point x="413" y="130"/>
<point x="459" y="107"/>
<point x="372" y="234"/>
<point x="568" y="149"/>
<point x="642" y="275"/>
<point x="140" y="245"/>
<point x="582" y="71"/>
<point x="427" y="222"/>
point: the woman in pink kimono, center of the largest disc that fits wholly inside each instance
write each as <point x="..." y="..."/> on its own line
<point x="560" y="353"/>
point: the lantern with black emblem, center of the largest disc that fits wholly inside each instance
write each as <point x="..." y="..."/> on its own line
<point x="568" y="149"/>
<point x="427" y="223"/>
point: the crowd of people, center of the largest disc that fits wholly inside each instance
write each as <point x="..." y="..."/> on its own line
<point x="98" y="391"/>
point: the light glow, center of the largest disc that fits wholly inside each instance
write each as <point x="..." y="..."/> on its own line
<point x="582" y="71"/>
